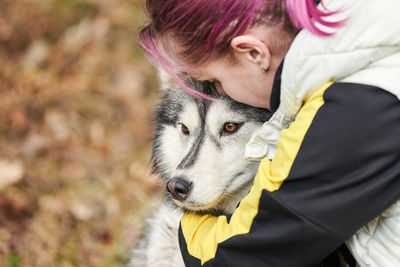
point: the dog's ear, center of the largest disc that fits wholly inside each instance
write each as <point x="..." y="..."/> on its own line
<point x="166" y="82"/>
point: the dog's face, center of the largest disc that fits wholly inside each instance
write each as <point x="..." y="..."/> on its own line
<point x="199" y="147"/>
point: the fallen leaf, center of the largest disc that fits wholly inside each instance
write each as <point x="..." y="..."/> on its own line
<point x="10" y="172"/>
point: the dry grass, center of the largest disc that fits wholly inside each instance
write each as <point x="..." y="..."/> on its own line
<point x="76" y="110"/>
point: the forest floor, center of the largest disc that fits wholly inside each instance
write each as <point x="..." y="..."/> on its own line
<point x="77" y="99"/>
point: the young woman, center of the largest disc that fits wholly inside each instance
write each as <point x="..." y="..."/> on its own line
<point x="330" y="155"/>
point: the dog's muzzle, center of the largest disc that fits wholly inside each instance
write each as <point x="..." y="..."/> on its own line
<point x="179" y="188"/>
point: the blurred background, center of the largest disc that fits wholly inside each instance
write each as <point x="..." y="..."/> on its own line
<point x="77" y="99"/>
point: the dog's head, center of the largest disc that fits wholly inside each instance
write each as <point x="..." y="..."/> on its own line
<point x="198" y="148"/>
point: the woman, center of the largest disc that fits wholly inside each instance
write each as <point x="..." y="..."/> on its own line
<point x="330" y="155"/>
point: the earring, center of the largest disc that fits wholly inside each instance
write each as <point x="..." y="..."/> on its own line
<point x="263" y="68"/>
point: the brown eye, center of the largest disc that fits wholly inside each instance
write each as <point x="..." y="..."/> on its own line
<point x="184" y="129"/>
<point x="230" y="128"/>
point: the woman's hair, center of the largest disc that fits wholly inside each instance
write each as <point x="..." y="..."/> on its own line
<point x="202" y="29"/>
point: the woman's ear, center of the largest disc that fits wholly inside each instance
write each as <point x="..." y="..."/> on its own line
<point x="253" y="49"/>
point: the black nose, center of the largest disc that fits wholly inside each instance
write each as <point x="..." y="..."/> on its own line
<point x="179" y="188"/>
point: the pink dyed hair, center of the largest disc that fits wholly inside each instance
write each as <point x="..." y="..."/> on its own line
<point x="205" y="28"/>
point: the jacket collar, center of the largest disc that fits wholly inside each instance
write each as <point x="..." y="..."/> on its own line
<point x="313" y="60"/>
<point x="276" y="90"/>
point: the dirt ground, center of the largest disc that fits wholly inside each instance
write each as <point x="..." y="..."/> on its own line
<point x="76" y="104"/>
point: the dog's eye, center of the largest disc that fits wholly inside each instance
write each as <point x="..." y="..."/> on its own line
<point x="230" y="128"/>
<point x="184" y="129"/>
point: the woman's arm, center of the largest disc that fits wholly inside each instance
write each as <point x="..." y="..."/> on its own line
<point x="336" y="168"/>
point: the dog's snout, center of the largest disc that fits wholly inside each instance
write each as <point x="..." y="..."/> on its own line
<point x="179" y="188"/>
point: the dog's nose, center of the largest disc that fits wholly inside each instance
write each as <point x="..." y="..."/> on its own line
<point x="179" y="188"/>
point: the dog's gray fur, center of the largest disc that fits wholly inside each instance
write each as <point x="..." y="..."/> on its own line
<point x="210" y="158"/>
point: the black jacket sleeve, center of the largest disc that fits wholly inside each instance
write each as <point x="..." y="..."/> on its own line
<point x="336" y="168"/>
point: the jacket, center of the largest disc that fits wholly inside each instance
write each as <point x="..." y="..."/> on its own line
<point x="330" y="155"/>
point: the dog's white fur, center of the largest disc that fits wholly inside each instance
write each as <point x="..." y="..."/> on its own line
<point x="220" y="175"/>
<point x="160" y="245"/>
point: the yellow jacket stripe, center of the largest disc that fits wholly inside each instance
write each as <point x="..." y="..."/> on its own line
<point x="203" y="233"/>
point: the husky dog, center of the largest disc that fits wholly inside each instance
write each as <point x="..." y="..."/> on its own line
<point x="198" y="150"/>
